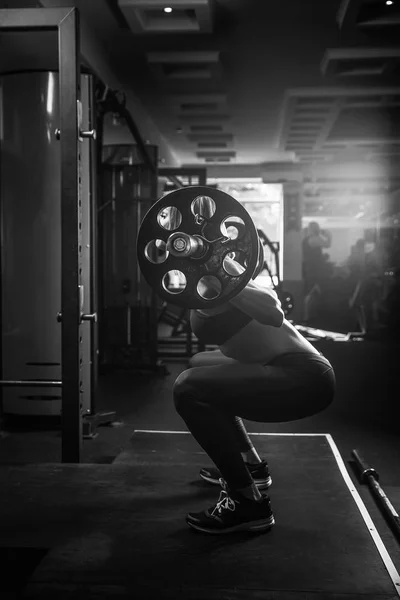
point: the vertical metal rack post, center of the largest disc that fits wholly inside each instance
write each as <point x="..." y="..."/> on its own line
<point x="66" y="22"/>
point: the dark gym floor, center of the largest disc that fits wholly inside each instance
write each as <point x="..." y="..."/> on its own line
<point x="365" y="415"/>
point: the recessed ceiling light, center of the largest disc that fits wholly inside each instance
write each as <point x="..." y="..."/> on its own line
<point x="168" y="9"/>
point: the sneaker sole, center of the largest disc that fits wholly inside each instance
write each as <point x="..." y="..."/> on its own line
<point x="262" y="484"/>
<point x="261" y="526"/>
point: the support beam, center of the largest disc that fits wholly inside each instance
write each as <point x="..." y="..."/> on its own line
<point x="71" y="250"/>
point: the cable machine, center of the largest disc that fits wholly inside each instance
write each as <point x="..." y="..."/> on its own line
<point x="128" y="317"/>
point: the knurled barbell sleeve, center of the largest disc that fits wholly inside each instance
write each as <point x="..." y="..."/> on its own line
<point x="368" y="475"/>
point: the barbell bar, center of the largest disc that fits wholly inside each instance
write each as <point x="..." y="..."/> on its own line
<point x="369" y="476"/>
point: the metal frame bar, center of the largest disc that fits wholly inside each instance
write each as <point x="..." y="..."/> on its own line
<point x="176" y="181"/>
<point x="199" y="172"/>
<point x="95" y="150"/>
<point x="66" y="22"/>
<point x="29" y="383"/>
<point x="154" y="301"/>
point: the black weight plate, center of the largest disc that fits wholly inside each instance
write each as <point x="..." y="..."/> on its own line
<point x="212" y="263"/>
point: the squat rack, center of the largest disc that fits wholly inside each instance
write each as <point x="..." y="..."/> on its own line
<point x="66" y="22"/>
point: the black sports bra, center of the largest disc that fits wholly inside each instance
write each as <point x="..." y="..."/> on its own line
<point x="218" y="329"/>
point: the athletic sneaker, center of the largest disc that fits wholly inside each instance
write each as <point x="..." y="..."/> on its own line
<point x="233" y="513"/>
<point x="259" y="473"/>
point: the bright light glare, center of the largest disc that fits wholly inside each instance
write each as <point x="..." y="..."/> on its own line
<point x="168" y="9"/>
<point x="389" y="2"/>
<point x="50" y="94"/>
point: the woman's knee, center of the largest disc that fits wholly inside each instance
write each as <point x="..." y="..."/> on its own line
<point x="317" y="406"/>
<point x="208" y="358"/>
<point x="183" y="389"/>
<point x="196" y="360"/>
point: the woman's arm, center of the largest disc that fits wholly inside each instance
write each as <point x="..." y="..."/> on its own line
<point x="262" y="304"/>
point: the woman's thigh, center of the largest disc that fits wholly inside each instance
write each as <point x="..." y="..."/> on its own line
<point x="210" y="358"/>
<point x="239" y="379"/>
<point x="233" y="387"/>
<point x="256" y="392"/>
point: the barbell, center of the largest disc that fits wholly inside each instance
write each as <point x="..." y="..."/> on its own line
<point x="190" y="243"/>
<point x="186" y="244"/>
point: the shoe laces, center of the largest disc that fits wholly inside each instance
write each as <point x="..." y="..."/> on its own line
<point x="225" y="502"/>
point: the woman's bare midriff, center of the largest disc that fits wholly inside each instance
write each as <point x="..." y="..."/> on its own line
<point x="257" y="343"/>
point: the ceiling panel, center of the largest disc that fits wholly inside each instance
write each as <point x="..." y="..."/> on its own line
<point x="368" y="14"/>
<point x="172" y="66"/>
<point x="377" y="124"/>
<point x="360" y="62"/>
<point x="358" y="120"/>
<point x="184" y="16"/>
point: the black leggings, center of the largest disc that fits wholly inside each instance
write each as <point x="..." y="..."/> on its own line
<point x="215" y="394"/>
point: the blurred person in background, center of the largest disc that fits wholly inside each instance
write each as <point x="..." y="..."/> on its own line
<point x="366" y="265"/>
<point x="315" y="267"/>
